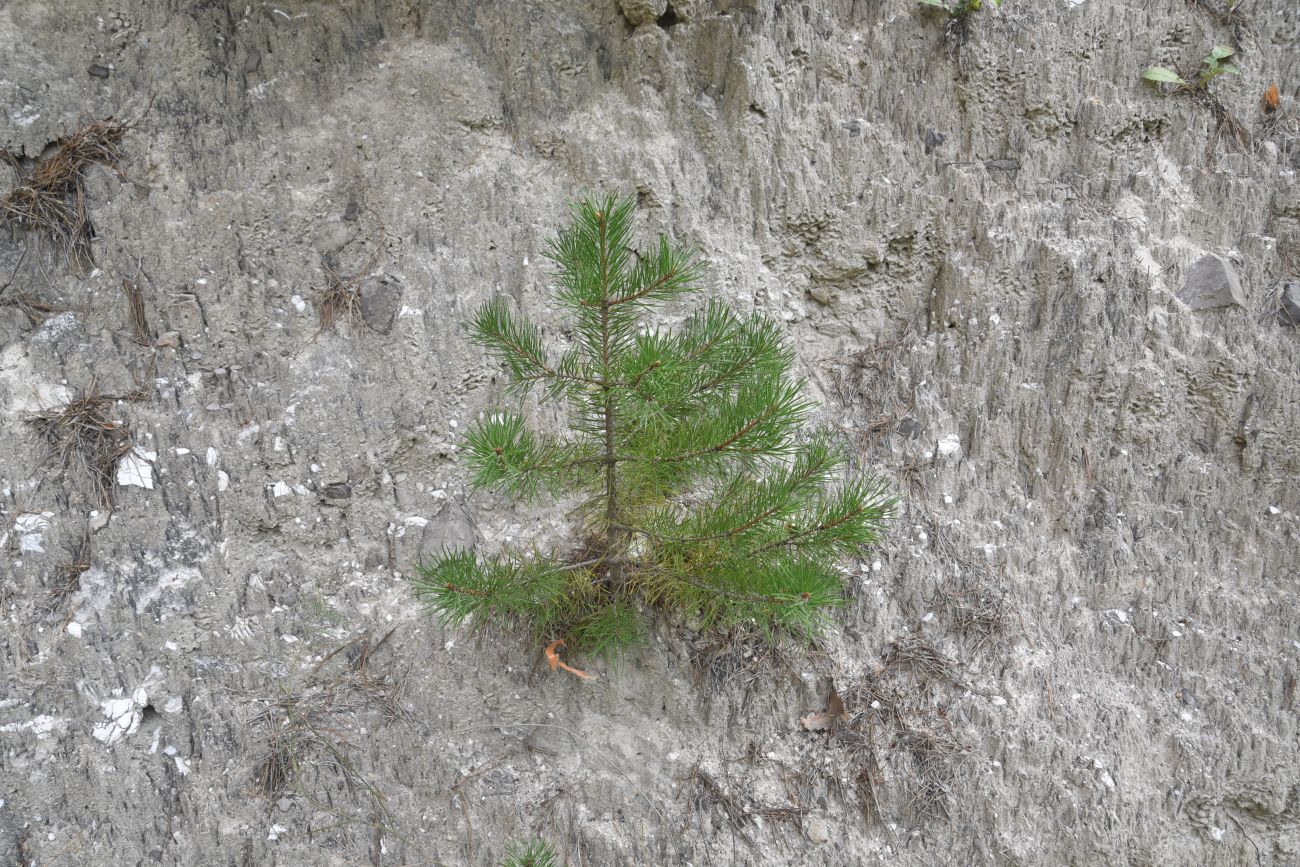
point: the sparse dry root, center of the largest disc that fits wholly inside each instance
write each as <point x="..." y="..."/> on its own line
<point x="84" y="441"/>
<point x="309" y="723"/>
<point x="928" y="665"/>
<point x="1226" y="127"/>
<point x="978" y="612"/>
<point x="1278" y="124"/>
<point x="741" y="811"/>
<point x="135" y="308"/>
<point x="898" y="752"/>
<point x="30" y="306"/>
<point x="52" y="199"/>
<point x="67" y="578"/>
<point x="738" y="655"/>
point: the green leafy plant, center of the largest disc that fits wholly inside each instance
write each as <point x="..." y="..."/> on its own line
<point x="697" y="494"/>
<point x="536" y="853"/>
<point x="1218" y="62"/>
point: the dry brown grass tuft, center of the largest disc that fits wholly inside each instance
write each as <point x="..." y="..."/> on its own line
<point x="52" y="199"/>
<point x="30" y="306"/>
<point x="135" y="308"/>
<point x="979" y="611"/>
<point x="340" y="300"/>
<point x="310" y="723"/>
<point x="85" y="441"/>
<point x="928" y="664"/>
<point x="67" y="577"/>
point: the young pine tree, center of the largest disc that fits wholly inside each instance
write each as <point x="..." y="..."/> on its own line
<point x="699" y="496"/>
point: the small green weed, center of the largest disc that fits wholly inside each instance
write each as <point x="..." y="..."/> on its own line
<point x="1218" y="62"/>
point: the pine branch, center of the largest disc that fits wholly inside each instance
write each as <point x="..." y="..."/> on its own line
<point x="744" y="507"/>
<point x="757" y="421"/>
<point x="698" y="497"/>
<point x="505" y="454"/>
<point x="518" y="344"/>
<point x="658" y="276"/>
<point x="843" y="522"/>
<point x="458" y="587"/>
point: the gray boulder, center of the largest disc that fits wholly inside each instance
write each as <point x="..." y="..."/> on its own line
<point x="452" y="529"/>
<point x="1212" y="282"/>
<point x="381" y="298"/>
<point x="1288" y="312"/>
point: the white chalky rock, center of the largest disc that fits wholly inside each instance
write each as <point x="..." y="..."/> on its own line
<point x="30" y="529"/>
<point x="124" y="715"/>
<point x="949" y="445"/>
<point x="41" y="726"/>
<point x="135" y="469"/>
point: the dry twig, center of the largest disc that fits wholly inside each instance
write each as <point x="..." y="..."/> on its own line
<point x="135" y="308"/>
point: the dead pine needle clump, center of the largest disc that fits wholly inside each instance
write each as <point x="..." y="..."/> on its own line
<point x="311" y="723"/>
<point x="67" y="578"/>
<point x="84" y="441"/>
<point x="52" y="198"/>
<point x="340" y="300"/>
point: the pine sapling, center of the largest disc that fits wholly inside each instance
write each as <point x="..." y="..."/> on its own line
<point x="700" y="496"/>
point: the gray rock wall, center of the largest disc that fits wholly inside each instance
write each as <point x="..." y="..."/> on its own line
<point x="1078" y="645"/>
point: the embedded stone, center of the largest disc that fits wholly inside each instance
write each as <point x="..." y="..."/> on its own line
<point x="1212" y="282"/>
<point x="452" y="530"/>
<point x="1288" y="312"/>
<point x="333" y="237"/>
<point x="381" y="299"/>
<point x="639" y="12"/>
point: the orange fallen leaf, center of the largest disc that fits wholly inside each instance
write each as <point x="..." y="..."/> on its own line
<point x="825" y="720"/>
<point x="1271" y="99"/>
<point x="835" y="705"/>
<point x="816" y="722"/>
<point x="554" y="659"/>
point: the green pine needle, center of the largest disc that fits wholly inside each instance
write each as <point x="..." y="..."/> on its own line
<point x="702" y="497"/>
<point x="535" y="853"/>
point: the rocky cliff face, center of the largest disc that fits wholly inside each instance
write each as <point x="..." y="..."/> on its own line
<point x="1079" y="644"/>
